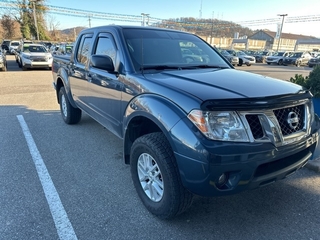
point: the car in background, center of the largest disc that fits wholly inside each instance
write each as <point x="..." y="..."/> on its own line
<point x="277" y="58"/>
<point x="243" y="57"/>
<point x="234" y="60"/>
<point x="262" y="55"/>
<point x="315" y="61"/>
<point x="66" y="49"/>
<point x="250" y="52"/>
<point x="34" y="56"/>
<point x="13" y="46"/>
<point x="297" y="58"/>
<point x="5" y="45"/>
<point x="189" y="56"/>
<point x="3" y="60"/>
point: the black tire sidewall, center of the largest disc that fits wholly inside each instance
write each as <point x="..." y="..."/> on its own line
<point x="62" y="92"/>
<point x="166" y="207"/>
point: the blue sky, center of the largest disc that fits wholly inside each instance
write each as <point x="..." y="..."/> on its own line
<point x="229" y="10"/>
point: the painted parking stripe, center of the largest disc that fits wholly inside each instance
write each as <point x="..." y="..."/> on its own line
<point x="62" y="223"/>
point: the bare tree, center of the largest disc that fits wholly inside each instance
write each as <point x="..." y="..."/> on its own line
<point x="8" y="26"/>
<point x="53" y="28"/>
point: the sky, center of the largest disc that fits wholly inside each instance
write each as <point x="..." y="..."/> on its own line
<point x="228" y="10"/>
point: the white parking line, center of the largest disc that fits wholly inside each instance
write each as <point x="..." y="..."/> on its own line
<point x="60" y="218"/>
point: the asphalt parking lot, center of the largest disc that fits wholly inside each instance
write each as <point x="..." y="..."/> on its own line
<point x="69" y="182"/>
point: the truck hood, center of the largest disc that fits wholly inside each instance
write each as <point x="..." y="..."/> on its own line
<point x="223" y="84"/>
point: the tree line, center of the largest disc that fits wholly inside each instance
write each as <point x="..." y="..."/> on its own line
<point x="19" y="22"/>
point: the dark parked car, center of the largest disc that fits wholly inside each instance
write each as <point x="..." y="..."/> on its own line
<point x="261" y="56"/>
<point x="297" y="58"/>
<point x="5" y="44"/>
<point x="314" y="61"/>
<point x="234" y="60"/>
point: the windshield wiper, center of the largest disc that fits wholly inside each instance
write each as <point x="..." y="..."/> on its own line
<point x="159" y="67"/>
<point x="208" y="66"/>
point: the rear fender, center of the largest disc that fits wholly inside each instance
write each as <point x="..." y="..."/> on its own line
<point x="63" y="81"/>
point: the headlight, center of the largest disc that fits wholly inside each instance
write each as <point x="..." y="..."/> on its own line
<point x="216" y="125"/>
<point x="26" y="56"/>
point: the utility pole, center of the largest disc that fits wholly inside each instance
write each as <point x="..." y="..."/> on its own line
<point x="89" y="21"/>
<point x="144" y="20"/>
<point x="281" y="15"/>
<point x="35" y="16"/>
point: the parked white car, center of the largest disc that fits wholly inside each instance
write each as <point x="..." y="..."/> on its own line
<point x="13" y="46"/>
<point x="34" y="56"/>
<point x="277" y="58"/>
<point x="243" y="57"/>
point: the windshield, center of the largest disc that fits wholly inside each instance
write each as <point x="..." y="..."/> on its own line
<point x="297" y="54"/>
<point x="15" y="44"/>
<point x="171" y="49"/>
<point x="278" y="54"/>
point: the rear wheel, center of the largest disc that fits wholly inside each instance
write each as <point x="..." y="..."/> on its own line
<point x="280" y="62"/>
<point x="70" y="115"/>
<point x="156" y="177"/>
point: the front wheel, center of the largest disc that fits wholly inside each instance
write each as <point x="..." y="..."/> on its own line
<point x="70" y="115"/>
<point x="156" y="177"/>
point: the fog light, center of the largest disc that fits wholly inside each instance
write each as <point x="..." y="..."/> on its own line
<point x="222" y="180"/>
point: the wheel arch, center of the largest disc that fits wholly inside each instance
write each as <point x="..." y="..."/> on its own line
<point x="61" y="82"/>
<point x="147" y="114"/>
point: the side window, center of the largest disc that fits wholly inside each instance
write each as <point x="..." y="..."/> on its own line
<point x="83" y="51"/>
<point x="105" y="46"/>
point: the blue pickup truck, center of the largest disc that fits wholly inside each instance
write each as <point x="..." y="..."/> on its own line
<point x="191" y="124"/>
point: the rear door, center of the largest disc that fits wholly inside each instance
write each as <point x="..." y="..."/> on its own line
<point x="77" y="70"/>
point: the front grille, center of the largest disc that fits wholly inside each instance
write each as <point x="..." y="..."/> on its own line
<point x="284" y="116"/>
<point x="255" y="126"/>
<point x="276" y="123"/>
<point x="39" y="60"/>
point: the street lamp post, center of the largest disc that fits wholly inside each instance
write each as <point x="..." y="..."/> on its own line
<point x="281" y="15"/>
<point x="35" y="16"/>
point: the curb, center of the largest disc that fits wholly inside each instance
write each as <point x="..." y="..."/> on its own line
<point x="314" y="165"/>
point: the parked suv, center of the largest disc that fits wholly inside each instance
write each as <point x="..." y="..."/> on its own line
<point x="234" y="60"/>
<point x="243" y="57"/>
<point x="13" y="46"/>
<point x="277" y="58"/>
<point x="5" y="44"/>
<point x="261" y="56"/>
<point x="34" y="56"/>
<point x="297" y="58"/>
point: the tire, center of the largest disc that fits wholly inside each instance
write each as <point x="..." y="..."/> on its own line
<point x="156" y="177"/>
<point x="268" y="63"/>
<point x="4" y="68"/>
<point x="240" y="62"/>
<point x="70" y="115"/>
<point x="298" y="64"/>
<point x="280" y="62"/>
<point x="24" y="68"/>
<point x="20" y="64"/>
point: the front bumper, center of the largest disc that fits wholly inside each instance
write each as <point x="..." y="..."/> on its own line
<point x="27" y="63"/>
<point x="247" y="165"/>
<point x="292" y="62"/>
